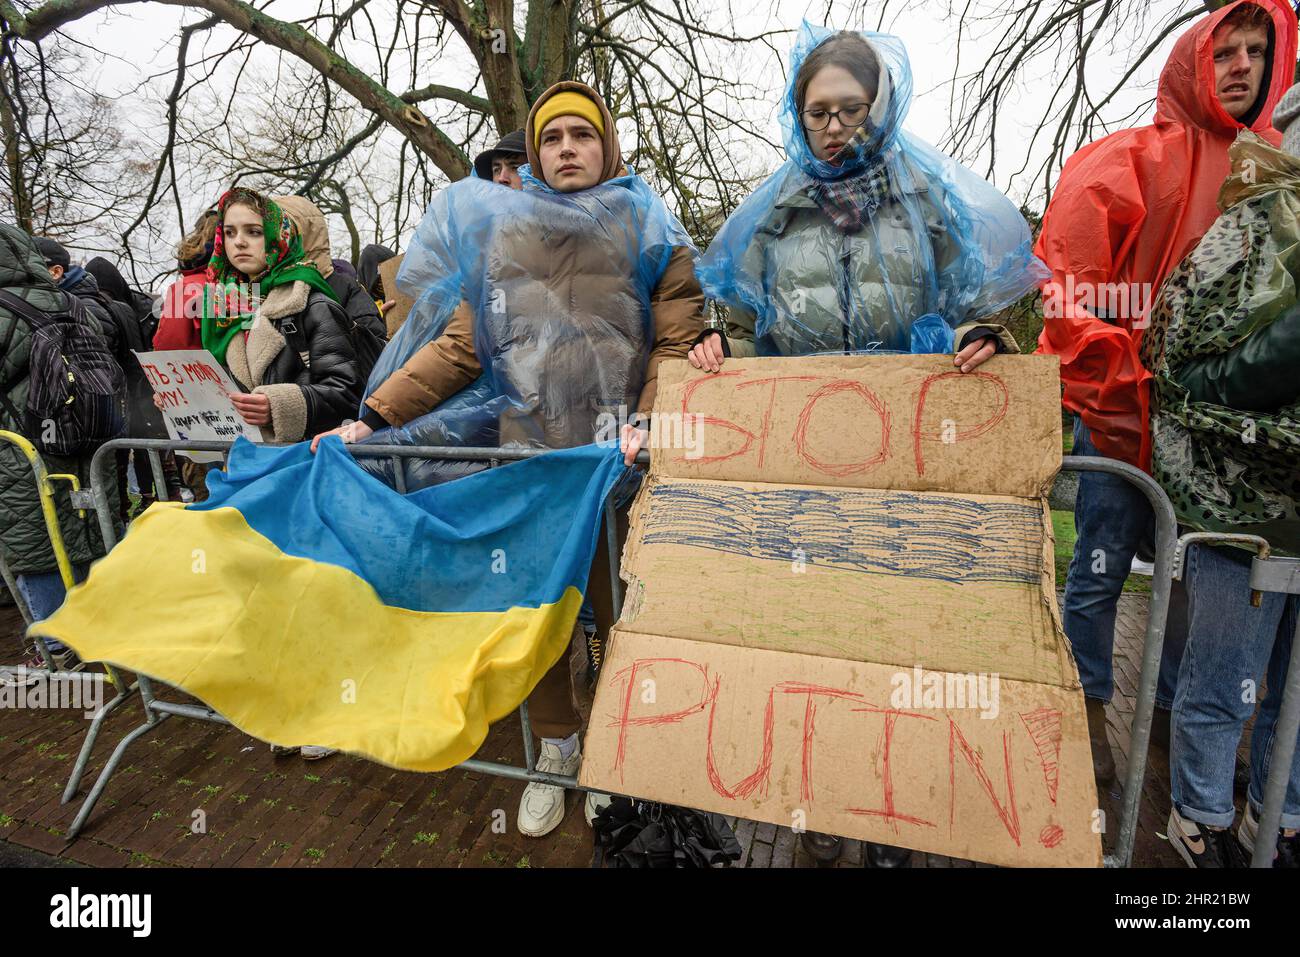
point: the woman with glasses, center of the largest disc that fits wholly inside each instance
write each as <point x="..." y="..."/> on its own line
<point x="866" y="239"/>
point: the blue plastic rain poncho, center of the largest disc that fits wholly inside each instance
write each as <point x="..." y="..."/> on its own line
<point x="914" y="244"/>
<point x="560" y="286"/>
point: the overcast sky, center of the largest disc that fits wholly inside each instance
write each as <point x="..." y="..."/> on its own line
<point x="140" y="42"/>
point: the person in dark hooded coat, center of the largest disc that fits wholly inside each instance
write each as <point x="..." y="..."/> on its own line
<point x="24" y="541"/>
<point x="121" y="330"/>
<point x="75" y="280"/>
<point x="132" y="312"/>
<point x="114" y="285"/>
<point x="372" y="257"/>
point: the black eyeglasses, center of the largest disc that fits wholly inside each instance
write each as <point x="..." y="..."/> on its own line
<point x="850" y="117"/>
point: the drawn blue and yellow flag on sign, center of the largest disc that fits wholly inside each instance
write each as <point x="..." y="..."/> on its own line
<point x="311" y="604"/>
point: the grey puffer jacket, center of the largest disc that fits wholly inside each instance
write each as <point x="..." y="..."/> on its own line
<point x="845" y="292"/>
<point x="24" y="541"/>
<point x="852" y="290"/>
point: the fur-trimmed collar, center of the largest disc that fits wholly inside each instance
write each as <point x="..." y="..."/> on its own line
<point x="285" y="300"/>
<point x="249" y="359"/>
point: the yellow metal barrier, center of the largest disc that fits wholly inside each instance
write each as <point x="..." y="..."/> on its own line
<point x="45" y="489"/>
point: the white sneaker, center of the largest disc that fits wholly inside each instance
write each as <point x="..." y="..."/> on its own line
<point x="596" y="802"/>
<point x="541" y="809"/>
<point x="1202" y="846"/>
<point x="314" y="752"/>
<point x="1249" y="829"/>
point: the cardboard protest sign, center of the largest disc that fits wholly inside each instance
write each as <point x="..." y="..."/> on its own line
<point x="196" y="404"/>
<point x="889" y="422"/>
<point x="395" y="316"/>
<point x="840" y="611"/>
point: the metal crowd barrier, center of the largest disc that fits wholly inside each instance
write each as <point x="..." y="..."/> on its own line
<point x="1268" y="573"/>
<point x="44" y="488"/>
<point x="1157" y="614"/>
<point x="1167" y="555"/>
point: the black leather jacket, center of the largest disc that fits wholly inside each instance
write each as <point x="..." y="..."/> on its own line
<point x="329" y="378"/>
<point x="357" y="303"/>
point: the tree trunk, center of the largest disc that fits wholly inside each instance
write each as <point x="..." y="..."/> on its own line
<point x="490" y="35"/>
<point x="13" y="158"/>
<point x="344" y="208"/>
<point x="548" y="44"/>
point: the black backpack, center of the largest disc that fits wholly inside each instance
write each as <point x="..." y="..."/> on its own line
<point x="76" y="389"/>
<point x="366" y="342"/>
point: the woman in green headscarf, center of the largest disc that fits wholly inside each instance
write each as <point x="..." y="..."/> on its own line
<point x="272" y="320"/>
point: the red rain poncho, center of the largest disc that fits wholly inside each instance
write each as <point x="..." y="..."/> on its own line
<point x="1126" y="210"/>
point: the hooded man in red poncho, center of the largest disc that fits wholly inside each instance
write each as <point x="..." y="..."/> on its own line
<point x="1126" y="210"/>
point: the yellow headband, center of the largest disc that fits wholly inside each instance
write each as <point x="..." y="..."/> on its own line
<point x="567" y="103"/>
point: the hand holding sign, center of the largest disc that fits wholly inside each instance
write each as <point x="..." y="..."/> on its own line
<point x="200" y="401"/>
<point x="254" y="407"/>
<point x="976" y="354"/>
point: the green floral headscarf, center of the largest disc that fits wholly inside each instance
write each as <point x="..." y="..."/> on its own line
<point x="231" y="299"/>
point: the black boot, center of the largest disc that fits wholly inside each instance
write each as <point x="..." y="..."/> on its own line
<point x="1103" y="762"/>
<point x="1160" y="722"/>
<point x="595" y="655"/>
<point x="822" y="848"/>
<point x="886" y="855"/>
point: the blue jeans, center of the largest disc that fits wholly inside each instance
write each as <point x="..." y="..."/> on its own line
<point x="1111" y="519"/>
<point x="1230" y="646"/>
<point x="44" y="593"/>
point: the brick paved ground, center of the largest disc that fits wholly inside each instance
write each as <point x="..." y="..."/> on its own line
<point x="265" y="811"/>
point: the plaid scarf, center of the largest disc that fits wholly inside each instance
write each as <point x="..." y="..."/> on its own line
<point x="850" y="202"/>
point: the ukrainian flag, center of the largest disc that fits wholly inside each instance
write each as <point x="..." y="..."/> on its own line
<point x="311" y="604"/>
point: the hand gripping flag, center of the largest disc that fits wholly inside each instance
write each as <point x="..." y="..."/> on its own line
<point x="310" y="604"/>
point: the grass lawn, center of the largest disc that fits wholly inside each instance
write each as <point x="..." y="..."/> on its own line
<point x="1063" y="529"/>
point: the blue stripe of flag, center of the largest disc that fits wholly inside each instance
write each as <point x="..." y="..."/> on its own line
<point x="514" y="536"/>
